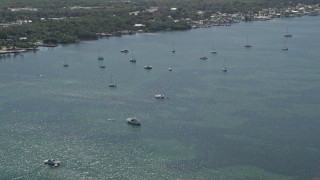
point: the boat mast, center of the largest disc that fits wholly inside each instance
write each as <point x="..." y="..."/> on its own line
<point x="173" y="50"/>
<point x="212" y="45"/>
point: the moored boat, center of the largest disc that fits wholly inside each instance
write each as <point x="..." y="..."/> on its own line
<point x="159" y="96"/>
<point x="65" y="64"/>
<point x="203" y="57"/>
<point x="213" y="50"/>
<point x="248" y="45"/>
<point x="52" y="162"/>
<point x="287" y="34"/>
<point x="112" y="84"/>
<point x="124" y="51"/>
<point x="133" y="121"/>
<point x="147" y="67"/>
<point x="133" y="58"/>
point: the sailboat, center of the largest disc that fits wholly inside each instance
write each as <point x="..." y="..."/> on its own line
<point x="248" y="45"/>
<point x="100" y="57"/>
<point x="173" y="50"/>
<point x="287" y="35"/>
<point x="284" y="46"/>
<point x="111" y="84"/>
<point x="65" y="64"/>
<point x="203" y="57"/>
<point x="224" y="69"/>
<point x="213" y="51"/>
<point x="133" y="58"/>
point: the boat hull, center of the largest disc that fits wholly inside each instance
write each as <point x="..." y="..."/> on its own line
<point x="133" y="121"/>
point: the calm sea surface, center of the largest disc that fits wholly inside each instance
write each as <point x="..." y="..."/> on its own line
<point x="260" y="120"/>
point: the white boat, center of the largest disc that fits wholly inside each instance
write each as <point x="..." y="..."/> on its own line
<point x="159" y="96"/>
<point x="124" y="51"/>
<point x="213" y="51"/>
<point x="248" y="45"/>
<point x="52" y="162"/>
<point x="148" y="67"/>
<point x="112" y="84"/>
<point x="133" y="121"/>
<point x="287" y="34"/>
<point x="170" y="69"/>
<point x="203" y="57"/>
<point x="102" y="66"/>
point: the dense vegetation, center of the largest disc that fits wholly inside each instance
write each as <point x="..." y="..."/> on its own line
<point x="109" y="17"/>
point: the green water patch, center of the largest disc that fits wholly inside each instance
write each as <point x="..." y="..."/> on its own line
<point x="241" y="173"/>
<point x="169" y="150"/>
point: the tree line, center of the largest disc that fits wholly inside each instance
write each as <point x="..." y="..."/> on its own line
<point x="108" y="16"/>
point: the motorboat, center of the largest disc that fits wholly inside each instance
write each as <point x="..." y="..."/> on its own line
<point x="224" y="69"/>
<point x="133" y="121"/>
<point x="148" y="67"/>
<point x="102" y="66"/>
<point x="159" y="96"/>
<point x="170" y="69"/>
<point x="52" y="162"/>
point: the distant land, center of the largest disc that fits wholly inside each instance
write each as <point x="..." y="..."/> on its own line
<point x="26" y="24"/>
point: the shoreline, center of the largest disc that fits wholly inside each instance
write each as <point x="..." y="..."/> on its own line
<point x="9" y="51"/>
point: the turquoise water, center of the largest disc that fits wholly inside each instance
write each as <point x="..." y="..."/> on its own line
<point x="260" y="120"/>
